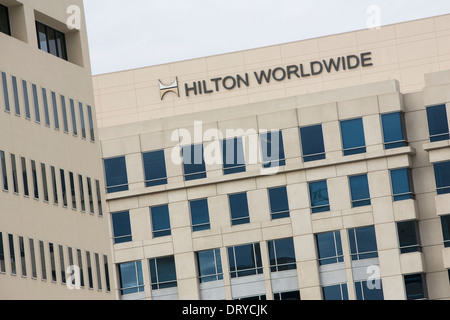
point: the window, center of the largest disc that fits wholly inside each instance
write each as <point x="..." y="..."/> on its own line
<point x="35" y="179"/>
<point x="99" y="198"/>
<point x="438" y="123"/>
<point x="43" y="264"/>
<point x="131" y="279"/>
<point x="318" y="192"/>
<point x="239" y="209"/>
<point x="4" y="20"/>
<point x="24" y="177"/>
<point x="272" y="149"/>
<point x="335" y="292"/>
<point x="12" y="254"/>
<point x="51" y="40"/>
<point x="14" y="173"/>
<point x="5" y="92"/>
<point x="282" y="255"/>
<point x="98" y="270"/>
<point x="193" y="162"/>
<point x="415" y="287"/>
<point x="291" y="295"/>
<point x="55" y="187"/>
<point x="16" y="95"/>
<point x="52" y="261"/>
<point x="329" y="247"/>
<point x="408" y="236"/>
<point x="74" y="117"/>
<point x="83" y="124"/>
<point x="91" y="123"/>
<point x="26" y="99"/>
<point x="55" y="110"/>
<point x="90" y="195"/>
<point x="160" y="221"/>
<point x="353" y="139"/>
<point x="33" y="259"/>
<point x="402" y="184"/>
<point x="442" y="174"/>
<point x="108" y="284"/>
<point x="72" y="191"/>
<point x="245" y="260"/>
<point x="199" y="215"/>
<point x="394" y="130"/>
<point x="82" y="200"/>
<point x="312" y="143"/>
<point x="121" y="227"/>
<point x="23" y="262"/>
<point x="2" y="255"/>
<point x="364" y="291"/>
<point x="89" y="269"/>
<point x="445" y="222"/>
<point x="4" y="173"/>
<point x="37" y="113"/>
<point x="363" y="243"/>
<point x="64" y="114"/>
<point x="116" y="175"/>
<point x="63" y="187"/>
<point x="279" y="204"/>
<point x="44" y="181"/>
<point x="209" y="265"/>
<point x="233" y="156"/>
<point x="155" y="168"/>
<point x="46" y="112"/>
<point x="61" y="264"/>
<point x="80" y="264"/>
<point x="162" y="273"/>
<point x="359" y="187"/>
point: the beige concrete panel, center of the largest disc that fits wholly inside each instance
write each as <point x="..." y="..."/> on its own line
<point x="439" y="155"/>
<point x="398" y="162"/>
<point x="301" y="222"/>
<point x="179" y="214"/>
<point x="327" y="222"/>
<point x="157" y="250"/>
<point x="317" y="174"/>
<point x="308" y="276"/>
<point x="258" y="205"/>
<point x="219" y="211"/>
<point x="311" y="293"/>
<point x="298" y="196"/>
<point x="386" y="234"/>
<point x="135" y="170"/>
<point x="357" y="108"/>
<point x="351" y="168"/>
<point x="426" y="205"/>
<point x="188" y="289"/>
<point x="122" y="204"/>
<point x="339" y="193"/>
<point x="442" y="207"/>
<point x="277" y="232"/>
<point x="437" y="285"/>
<point x="389" y="262"/>
<point x="418" y="121"/>
<point x="132" y="254"/>
<point x="446" y="257"/>
<point x="272" y="181"/>
<point x="430" y="232"/>
<point x="372" y="132"/>
<point x="305" y="248"/>
<point x="406" y="210"/>
<point x="393" y="287"/>
<point x="391" y="102"/>
<point x="120" y="146"/>
<point x="140" y="224"/>
<point x="413" y="262"/>
<point x="362" y="217"/>
<point x="317" y="114"/>
<point x="277" y="121"/>
<point x="427" y="181"/>
<point x="382" y="210"/>
<point x="182" y="241"/>
<point x="174" y="168"/>
<point x="156" y="199"/>
<point x="291" y="141"/>
<point x="241" y="234"/>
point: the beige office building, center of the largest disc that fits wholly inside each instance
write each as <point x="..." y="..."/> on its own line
<point x="52" y="208"/>
<point x="354" y="205"/>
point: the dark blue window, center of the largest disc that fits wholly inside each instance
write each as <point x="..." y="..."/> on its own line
<point x="26" y="99"/>
<point x="5" y="92"/>
<point x="245" y="260"/>
<point x="438" y="123"/>
<point x="402" y="184"/>
<point x="366" y="292"/>
<point x="193" y="162"/>
<point x="414" y="286"/>
<point x="116" y="174"/>
<point x="160" y="221"/>
<point x="37" y="114"/>
<point x="445" y="222"/>
<point x="442" y="174"/>
<point x="131" y="279"/>
<point x="55" y="110"/>
<point x="64" y="114"/>
<point x="318" y="192"/>
<point x="312" y="143"/>
<point x="359" y="187"/>
<point x="363" y="243"/>
<point x="199" y="215"/>
<point x="279" y="205"/>
<point x="4" y="20"/>
<point x="155" y="168"/>
<point x="335" y="292"/>
<point x="272" y="149"/>
<point x="394" y="130"/>
<point x="16" y="95"/>
<point x="290" y="295"/>
<point x="163" y="273"/>
<point x="329" y="247"/>
<point x="239" y="209"/>
<point x="282" y="255"/>
<point x="121" y="227"/>
<point x="233" y="156"/>
<point x="46" y="112"/>
<point x="74" y="118"/>
<point x="353" y="139"/>
<point x="209" y="265"/>
<point x="408" y="236"/>
<point x="82" y="122"/>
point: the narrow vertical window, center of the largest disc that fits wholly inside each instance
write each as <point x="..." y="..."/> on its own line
<point x="26" y="99"/>
<point x="74" y="118"/>
<point x="312" y="143"/>
<point x="99" y="198"/>
<point x="37" y="113"/>
<point x="82" y="122"/>
<point x="415" y="287"/>
<point x="72" y="191"/>
<point x="209" y="265"/>
<point x="62" y="264"/>
<point x="353" y="138"/>
<point x="35" y="179"/>
<point x="245" y="260"/>
<point x="63" y="187"/>
<point x="42" y="36"/>
<point x="408" y="236"/>
<point x="54" y="185"/>
<point x="64" y="114"/>
<point x="131" y="278"/>
<point x="163" y="273"/>
<point x="90" y="195"/>
<point x="16" y="95"/>
<point x="4" y="20"/>
<point x="155" y="168"/>
<point x="91" y="123"/>
<point x="2" y="255"/>
<point x="108" y="284"/>
<point x="98" y="270"/>
<point x="33" y="259"/>
<point x="25" y="177"/>
<point x="46" y="111"/>
<point x="12" y="254"/>
<point x="89" y="269"/>
<point x="445" y="223"/>
<point x="51" y="249"/>
<point x="282" y="255"/>
<point x="5" y="92"/>
<point x="44" y="182"/>
<point x="83" y="203"/>
<point x="4" y="173"/>
<point x="14" y="173"/>
<point x="43" y="264"/>
<point x="55" y="110"/>
<point x="272" y="149"/>
<point x="80" y="264"/>
<point x="23" y="262"/>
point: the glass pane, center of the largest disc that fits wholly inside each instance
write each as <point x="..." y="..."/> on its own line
<point x="200" y="214"/>
<point x="279" y="202"/>
<point x="116" y="174"/>
<point x="193" y="162"/>
<point x="438" y="123"/>
<point x="155" y="168"/>
<point x="121" y="227"/>
<point x="359" y="187"/>
<point x="74" y="118"/>
<point x="393" y="130"/>
<point x="36" y="103"/>
<point x="46" y="112"/>
<point x="52" y="41"/>
<point x="401" y="184"/>
<point x="272" y="149"/>
<point x="160" y="221"/>
<point x="233" y="156"/>
<point x="4" y="20"/>
<point x="319" y="196"/>
<point x="442" y="174"/>
<point x="42" y="36"/>
<point x="166" y="272"/>
<point x="312" y="143"/>
<point x="26" y="99"/>
<point x="414" y="287"/>
<point x="55" y="110"/>
<point x="353" y="138"/>
<point x="64" y="114"/>
<point x="327" y="247"/>
<point x="407" y="236"/>
<point x="239" y="208"/>
<point x="5" y="92"/>
<point x="91" y="123"/>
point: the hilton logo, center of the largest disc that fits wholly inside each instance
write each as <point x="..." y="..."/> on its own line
<point x="169" y="88"/>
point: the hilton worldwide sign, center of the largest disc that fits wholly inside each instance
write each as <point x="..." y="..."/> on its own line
<point x="303" y="70"/>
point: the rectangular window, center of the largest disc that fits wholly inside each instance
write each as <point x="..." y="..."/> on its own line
<point x="44" y="182"/>
<point x="4" y="20"/>
<point x="415" y="287"/>
<point x="155" y="168"/>
<point x="279" y="204"/>
<point x="54" y="185"/>
<point x="245" y="260"/>
<point x="131" y="278"/>
<point x="82" y="122"/>
<point x="233" y="156"/>
<point x="46" y="111"/>
<point x="209" y="265"/>
<point x="359" y="187"/>
<point x="82" y="201"/>
<point x="335" y="292"/>
<point x="63" y="187"/>
<point x="74" y="117"/>
<point x="193" y="162"/>
<point x="312" y="143"/>
<point x="408" y="236"/>
<point x="51" y="40"/>
<point x="4" y="173"/>
<point x="5" y="92"/>
<point x="98" y="270"/>
<point x="16" y="95"/>
<point x="121" y="227"/>
<point x="394" y="130"/>
<point x="90" y="196"/>
<point x="24" y="177"/>
<point x="199" y="215"/>
<point x="402" y="184"/>
<point x="272" y="149"/>
<point x="89" y="270"/>
<point x="239" y="209"/>
<point x="91" y="123"/>
<point x="116" y="175"/>
<point x="282" y="255"/>
<point x="99" y="198"/>
<point x="353" y="139"/>
<point x="72" y="191"/>
<point x="55" y="110"/>
<point x="80" y="264"/>
<point x="163" y="273"/>
<point x="52" y="261"/>
<point x="160" y="221"/>
<point x="318" y="192"/>
<point x="108" y="284"/>
<point x="445" y="222"/>
<point x="33" y="259"/>
<point x="438" y="123"/>
<point x="62" y="264"/>
<point x="2" y="255"/>
<point x="23" y="262"/>
<point x="14" y="173"/>
<point x="442" y="175"/>
<point x="64" y="114"/>
<point x="363" y="243"/>
<point x="26" y="99"/>
<point x="43" y="264"/>
<point x="329" y="247"/>
<point x="35" y="179"/>
<point x="290" y="295"/>
<point x="37" y="113"/>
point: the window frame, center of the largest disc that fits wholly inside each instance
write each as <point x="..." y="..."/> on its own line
<point x="304" y="141"/>
<point x="235" y="167"/>
<point x="355" y="190"/>
<point x="123" y="185"/>
<point x="199" y="226"/>
<point x="235" y="272"/>
<point x="352" y="150"/>
<point x="57" y="35"/>
<point x="167" y="229"/>
<point x="356" y="252"/>
<point x="280" y="214"/>
<point x="394" y="143"/>
<point x="155" y="275"/>
<point x="240" y="219"/>
<point x="319" y="208"/>
<point x="148" y="159"/>
<point x="123" y="237"/>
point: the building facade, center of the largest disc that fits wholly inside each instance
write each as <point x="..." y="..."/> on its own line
<point x="318" y="169"/>
<point x="53" y="216"/>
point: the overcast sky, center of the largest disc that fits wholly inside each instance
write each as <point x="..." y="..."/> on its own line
<point x="139" y="33"/>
